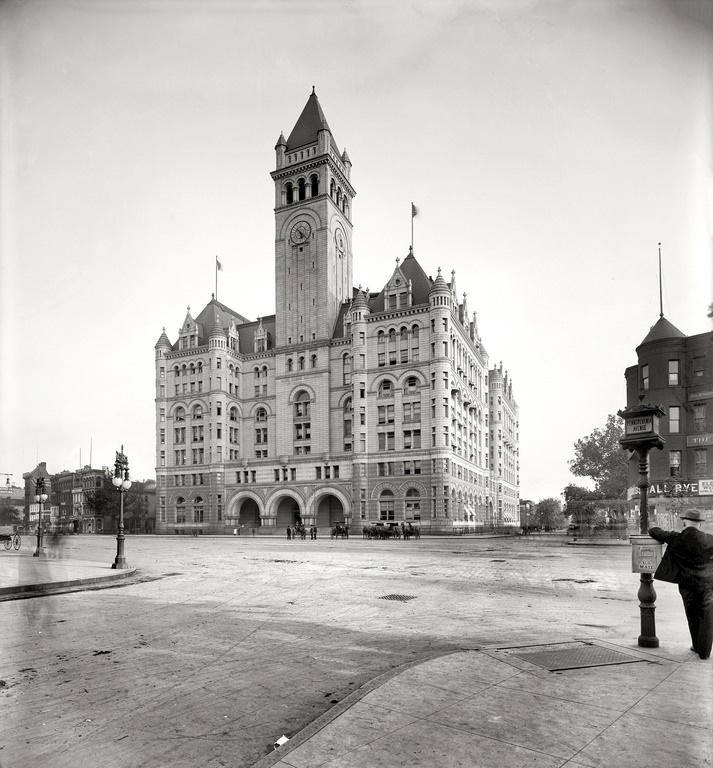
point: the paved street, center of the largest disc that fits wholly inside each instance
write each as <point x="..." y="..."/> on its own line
<point x="220" y="646"/>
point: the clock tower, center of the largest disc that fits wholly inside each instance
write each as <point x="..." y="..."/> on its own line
<point x="313" y="230"/>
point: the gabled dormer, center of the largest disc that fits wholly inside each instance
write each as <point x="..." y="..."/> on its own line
<point x="233" y="337"/>
<point x="189" y="332"/>
<point x="398" y="292"/>
<point x="261" y="337"/>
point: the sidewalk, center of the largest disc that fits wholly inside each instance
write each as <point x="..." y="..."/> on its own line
<point x="22" y="575"/>
<point x="492" y="708"/>
<point x="576" y="702"/>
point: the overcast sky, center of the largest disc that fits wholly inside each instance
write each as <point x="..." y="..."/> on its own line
<point x="549" y="146"/>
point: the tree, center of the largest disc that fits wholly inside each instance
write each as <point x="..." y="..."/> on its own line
<point x="601" y="458"/>
<point x="106" y="502"/>
<point x="548" y="513"/>
<point x="581" y="505"/>
<point x="10" y="512"/>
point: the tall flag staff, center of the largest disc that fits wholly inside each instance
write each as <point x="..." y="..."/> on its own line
<point x="414" y="212"/>
<point x="218" y="267"/>
<point x="660" y="286"/>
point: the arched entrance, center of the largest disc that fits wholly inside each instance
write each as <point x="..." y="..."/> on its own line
<point x="330" y="510"/>
<point x="288" y="512"/>
<point x="249" y="514"/>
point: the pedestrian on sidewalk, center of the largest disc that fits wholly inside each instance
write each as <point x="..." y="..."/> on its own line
<point x="691" y="553"/>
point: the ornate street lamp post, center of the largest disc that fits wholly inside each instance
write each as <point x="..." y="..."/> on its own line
<point x="641" y="434"/>
<point x="121" y="482"/>
<point x="40" y="498"/>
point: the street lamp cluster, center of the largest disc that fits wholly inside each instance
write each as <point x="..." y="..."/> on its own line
<point x="121" y="482"/>
<point x="40" y="497"/>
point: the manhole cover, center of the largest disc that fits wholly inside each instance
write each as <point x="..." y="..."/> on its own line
<point x="576" y="658"/>
<point x="400" y="598"/>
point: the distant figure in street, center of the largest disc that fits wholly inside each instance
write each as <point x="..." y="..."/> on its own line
<point x="691" y="552"/>
<point x="253" y="531"/>
<point x="289" y="533"/>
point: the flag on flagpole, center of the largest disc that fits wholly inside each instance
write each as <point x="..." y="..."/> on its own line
<point x="218" y="265"/>
<point x="414" y="211"/>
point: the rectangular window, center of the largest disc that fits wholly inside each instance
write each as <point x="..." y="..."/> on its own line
<point x="674" y="419"/>
<point x="701" y="462"/>
<point x="386" y="441"/>
<point x="699" y="366"/>
<point x="673" y="366"/>
<point x="412" y="411"/>
<point x="412" y="439"/>
<point x="699" y="418"/>
<point x="386" y="414"/>
<point x="674" y="463"/>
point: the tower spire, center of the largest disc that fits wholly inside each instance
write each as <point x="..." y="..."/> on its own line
<point x="660" y="286"/>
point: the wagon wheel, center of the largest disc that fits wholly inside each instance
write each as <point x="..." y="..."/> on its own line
<point x="16" y="541"/>
<point x="8" y="543"/>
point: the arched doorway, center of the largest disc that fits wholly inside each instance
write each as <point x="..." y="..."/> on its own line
<point x="330" y="510"/>
<point x="249" y="515"/>
<point x="288" y="512"/>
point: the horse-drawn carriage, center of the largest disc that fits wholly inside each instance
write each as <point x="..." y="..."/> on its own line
<point x="390" y="531"/>
<point x="340" y="531"/>
<point x="9" y="537"/>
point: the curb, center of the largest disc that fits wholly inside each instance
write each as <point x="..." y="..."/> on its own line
<point x="346" y="703"/>
<point x="29" y="590"/>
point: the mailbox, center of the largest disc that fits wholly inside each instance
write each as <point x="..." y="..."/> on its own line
<point x="646" y="553"/>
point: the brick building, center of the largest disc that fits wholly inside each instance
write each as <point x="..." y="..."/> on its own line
<point x="676" y="371"/>
<point x="346" y="404"/>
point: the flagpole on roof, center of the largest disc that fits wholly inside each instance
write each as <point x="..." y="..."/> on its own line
<point x="218" y="266"/>
<point x="413" y="216"/>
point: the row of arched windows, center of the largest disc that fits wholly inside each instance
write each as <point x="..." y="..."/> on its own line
<point x="293" y="192"/>
<point x="297" y="191"/>
<point x="301" y="363"/>
<point x="193" y="369"/>
<point x="386" y="387"/>
<point x="387" y="510"/>
<point x="339" y="197"/>
<point x="197" y="510"/>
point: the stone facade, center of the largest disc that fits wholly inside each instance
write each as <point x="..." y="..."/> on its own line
<point x="347" y="405"/>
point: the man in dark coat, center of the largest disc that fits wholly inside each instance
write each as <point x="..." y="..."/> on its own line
<point x="691" y="552"/>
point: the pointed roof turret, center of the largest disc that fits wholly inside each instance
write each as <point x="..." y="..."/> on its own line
<point x="281" y="141"/>
<point x="439" y="284"/>
<point x="662" y="329"/>
<point x="360" y="301"/>
<point x="308" y="126"/>
<point x="217" y="327"/>
<point x="163" y="340"/>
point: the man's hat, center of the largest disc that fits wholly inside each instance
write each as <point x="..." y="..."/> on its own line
<point x="693" y="514"/>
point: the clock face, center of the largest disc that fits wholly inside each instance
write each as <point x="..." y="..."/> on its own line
<point x="339" y="240"/>
<point x="300" y="232"/>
